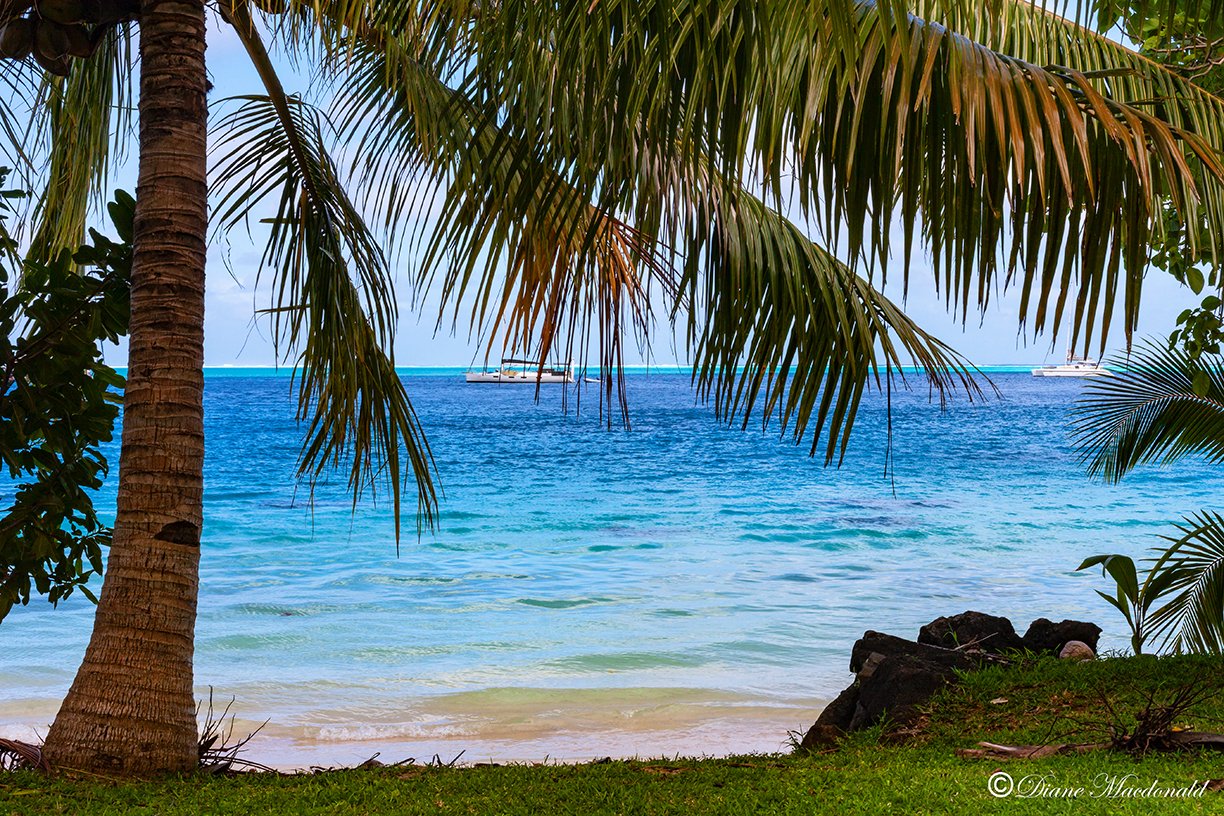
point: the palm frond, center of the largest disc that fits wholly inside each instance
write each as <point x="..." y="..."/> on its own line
<point x="87" y="117"/>
<point x="1193" y="621"/>
<point x="542" y="268"/>
<point x="1037" y="34"/>
<point x="1160" y="405"/>
<point x="1023" y="173"/>
<point x="543" y="271"/>
<point x="273" y="149"/>
<point x="779" y="321"/>
<point x="1012" y="172"/>
<point x="406" y="129"/>
<point x="19" y="85"/>
<point x="434" y="34"/>
<point x="814" y="312"/>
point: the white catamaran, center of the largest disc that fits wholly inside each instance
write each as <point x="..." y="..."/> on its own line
<point x="523" y="371"/>
<point x="1074" y="367"/>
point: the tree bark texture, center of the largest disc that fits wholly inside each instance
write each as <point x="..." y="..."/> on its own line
<point x="131" y="708"/>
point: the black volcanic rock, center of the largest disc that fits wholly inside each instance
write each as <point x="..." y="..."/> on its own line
<point x="895" y="677"/>
<point x="972" y="630"/>
<point x="1047" y="637"/>
<point x="896" y="688"/>
<point x="892" y="646"/>
<point x="833" y="722"/>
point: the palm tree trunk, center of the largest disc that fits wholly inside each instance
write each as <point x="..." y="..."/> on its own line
<point x="131" y="709"/>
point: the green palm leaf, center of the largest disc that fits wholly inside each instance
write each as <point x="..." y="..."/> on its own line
<point x="780" y="324"/>
<point x="760" y="296"/>
<point x="1015" y="172"/>
<point x="88" y="117"/>
<point x="1160" y="407"/>
<point x="349" y="393"/>
<point x="358" y="409"/>
<point x="1193" y="621"/>
<point x="1010" y="171"/>
<point x="65" y="133"/>
<point x="537" y="267"/>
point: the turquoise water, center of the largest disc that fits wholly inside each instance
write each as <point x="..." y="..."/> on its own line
<point x="680" y="587"/>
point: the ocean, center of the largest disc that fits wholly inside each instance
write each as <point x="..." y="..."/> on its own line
<point x="682" y="587"/>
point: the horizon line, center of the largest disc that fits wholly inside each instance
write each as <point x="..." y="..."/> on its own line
<point x="678" y="367"/>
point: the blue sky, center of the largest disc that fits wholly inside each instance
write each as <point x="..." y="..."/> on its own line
<point x="233" y="336"/>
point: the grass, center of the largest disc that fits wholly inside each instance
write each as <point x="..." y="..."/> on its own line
<point x="1046" y="701"/>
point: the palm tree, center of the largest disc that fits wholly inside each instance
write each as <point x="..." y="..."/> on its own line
<point x="153" y="566"/>
<point x="131" y="708"/>
<point x="1165" y="405"/>
<point x="588" y="153"/>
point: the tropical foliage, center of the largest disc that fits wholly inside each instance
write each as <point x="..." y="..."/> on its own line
<point x="1019" y="148"/>
<point x="1194" y="617"/>
<point x="1165" y="405"/>
<point x="1006" y="170"/>
<point x="1191" y="571"/>
<point x="1168" y="403"/>
<point x="734" y="165"/>
<point x="330" y="301"/>
<point x="1132" y="597"/>
<point x="1182" y="38"/>
<point x="58" y="405"/>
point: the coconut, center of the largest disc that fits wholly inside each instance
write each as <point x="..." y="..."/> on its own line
<point x="79" y="43"/>
<point x="64" y="12"/>
<point x="272" y="6"/>
<point x="17" y="39"/>
<point x="60" y="66"/>
<point x="51" y="40"/>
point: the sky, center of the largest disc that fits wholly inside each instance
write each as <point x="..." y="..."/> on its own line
<point x="234" y="337"/>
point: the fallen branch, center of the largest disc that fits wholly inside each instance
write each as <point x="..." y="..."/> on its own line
<point x="989" y="750"/>
<point x="21" y="756"/>
<point x="1173" y="741"/>
<point x="1197" y="739"/>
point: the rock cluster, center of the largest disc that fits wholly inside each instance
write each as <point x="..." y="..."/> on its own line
<point x="894" y="677"/>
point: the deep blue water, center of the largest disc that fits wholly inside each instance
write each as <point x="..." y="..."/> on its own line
<point x="665" y="588"/>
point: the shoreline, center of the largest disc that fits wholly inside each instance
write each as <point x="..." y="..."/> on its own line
<point x="504" y="726"/>
<point x="935" y="769"/>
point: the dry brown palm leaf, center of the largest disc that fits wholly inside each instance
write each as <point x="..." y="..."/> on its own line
<point x="21" y="756"/>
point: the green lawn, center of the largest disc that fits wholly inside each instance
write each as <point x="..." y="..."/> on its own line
<point x="871" y="773"/>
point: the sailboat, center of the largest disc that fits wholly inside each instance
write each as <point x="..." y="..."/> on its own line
<point x="1074" y="367"/>
<point x="523" y="371"/>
